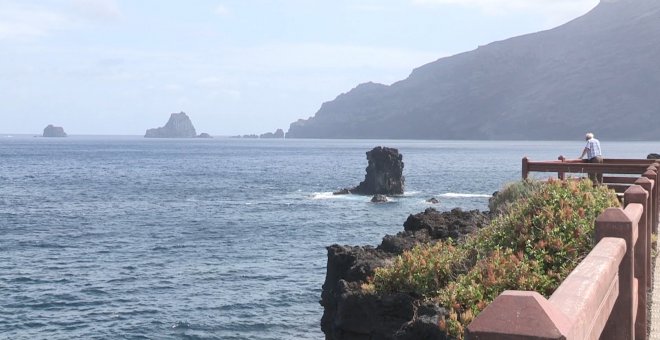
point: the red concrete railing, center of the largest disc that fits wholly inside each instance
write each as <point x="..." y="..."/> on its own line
<point x="605" y="297"/>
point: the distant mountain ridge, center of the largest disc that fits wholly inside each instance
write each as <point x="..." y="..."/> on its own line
<point x="596" y="73"/>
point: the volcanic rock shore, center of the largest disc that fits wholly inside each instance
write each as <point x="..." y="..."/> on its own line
<point x="351" y="314"/>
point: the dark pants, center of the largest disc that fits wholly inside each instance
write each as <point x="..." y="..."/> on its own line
<point x="596" y="177"/>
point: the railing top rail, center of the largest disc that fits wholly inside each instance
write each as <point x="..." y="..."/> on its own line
<point x="634" y="211"/>
<point x="582" y="303"/>
<point x="636" y="169"/>
<point x="577" y="161"/>
<point x="630" y="161"/>
<point x="640" y="162"/>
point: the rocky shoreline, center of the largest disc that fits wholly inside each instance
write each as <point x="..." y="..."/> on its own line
<point x="350" y="313"/>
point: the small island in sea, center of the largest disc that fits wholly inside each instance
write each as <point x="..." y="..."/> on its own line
<point x="54" y="131"/>
<point x="178" y="126"/>
<point x="279" y="133"/>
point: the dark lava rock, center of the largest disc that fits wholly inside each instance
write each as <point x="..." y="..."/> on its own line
<point x="349" y="312"/>
<point x="405" y="240"/>
<point x="431" y="225"/>
<point x="178" y="126"/>
<point x="344" y="191"/>
<point x="384" y="173"/>
<point x="425" y="324"/>
<point x="363" y="315"/>
<point x="379" y="199"/>
<point x="353" y="263"/>
<point x="433" y="200"/>
<point x="455" y="223"/>
<point x="54" y="131"/>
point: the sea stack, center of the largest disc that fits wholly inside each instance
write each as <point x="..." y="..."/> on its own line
<point x="179" y="126"/>
<point x="54" y="131"/>
<point x="384" y="174"/>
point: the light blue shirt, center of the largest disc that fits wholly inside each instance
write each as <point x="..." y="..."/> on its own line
<point x="593" y="148"/>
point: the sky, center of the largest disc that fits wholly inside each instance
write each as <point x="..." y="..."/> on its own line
<point x="119" y="67"/>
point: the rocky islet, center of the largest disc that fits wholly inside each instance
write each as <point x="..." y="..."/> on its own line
<point x="54" y="131"/>
<point x="178" y="126"/>
<point x="384" y="174"/>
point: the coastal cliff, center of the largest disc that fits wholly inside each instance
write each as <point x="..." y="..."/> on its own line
<point x="550" y="85"/>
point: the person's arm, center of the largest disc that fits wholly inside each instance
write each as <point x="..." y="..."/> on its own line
<point x="584" y="152"/>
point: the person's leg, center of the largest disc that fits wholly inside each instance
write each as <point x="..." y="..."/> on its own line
<point x="599" y="178"/>
<point x="592" y="175"/>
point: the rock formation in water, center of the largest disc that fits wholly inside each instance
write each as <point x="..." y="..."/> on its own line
<point x="279" y="133"/>
<point x="378" y="198"/>
<point x="54" y="131"/>
<point x="204" y="135"/>
<point x="384" y="174"/>
<point x="351" y="313"/>
<point x="178" y="126"/>
<point x="595" y="73"/>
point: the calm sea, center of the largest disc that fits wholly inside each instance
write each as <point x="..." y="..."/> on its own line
<point x="132" y="238"/>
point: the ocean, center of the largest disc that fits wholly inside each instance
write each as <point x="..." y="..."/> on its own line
<point x="132" y="238"/>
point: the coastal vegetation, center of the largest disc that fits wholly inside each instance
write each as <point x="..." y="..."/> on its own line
<point x="541" y="232"/>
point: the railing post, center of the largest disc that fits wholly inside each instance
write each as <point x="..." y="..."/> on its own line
<point x="648" y="186"/>
<point x="522" y="316"/>
<point x="652" y="174"/>
<point x="561" y="175"/>
<point x="525" y="167"/>
<point x="614" y="222"/>
<point x="656" y="198"/>
<point x="639" y="194"/>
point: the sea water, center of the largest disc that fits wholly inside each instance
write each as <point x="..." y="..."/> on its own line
<point x="133" y="238"/>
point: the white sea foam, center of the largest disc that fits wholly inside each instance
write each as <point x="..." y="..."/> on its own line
<point x="323" y="195"/>
<point x="330" y="196"/>
<point x="411" y="193"/>
<point x="459" y="195"/>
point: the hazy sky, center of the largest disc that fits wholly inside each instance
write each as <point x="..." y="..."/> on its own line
<point x="236" y="67"/>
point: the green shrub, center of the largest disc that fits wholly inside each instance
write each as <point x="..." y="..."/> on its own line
<point x="533" y="244"/>
<point x="422" y="270"/>
<point x="511" y="193"/>
<point x="470" y="293"/>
